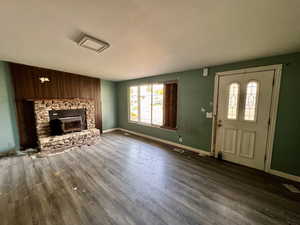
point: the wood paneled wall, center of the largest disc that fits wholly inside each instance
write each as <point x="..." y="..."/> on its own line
<point x="62" y="85"/>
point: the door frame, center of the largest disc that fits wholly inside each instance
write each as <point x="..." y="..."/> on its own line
<point x="273" y="109"/>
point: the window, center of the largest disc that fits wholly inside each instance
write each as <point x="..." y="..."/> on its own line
<point x="157" y="104"/>
<point x="233" y="98"/>
<point x="251" y="99"/>
<point x="134" y="104"/>
<point x="145" y="103"/>
<point x="154" y="104"/>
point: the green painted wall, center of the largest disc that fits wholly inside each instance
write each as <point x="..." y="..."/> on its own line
<point x="196" y="92"/>
<point x="8" y="130"/>
<point x="109" y="104"/>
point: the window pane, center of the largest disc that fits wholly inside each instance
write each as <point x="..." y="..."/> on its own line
<point x="233" y="101"/>
<point x="134" y="103"/>
<point x="250" y="104"/>
<point x="145" y="103"/>
<point x="157" y="104"/>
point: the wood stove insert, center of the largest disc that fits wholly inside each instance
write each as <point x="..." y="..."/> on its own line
<point x="66" y="121"/>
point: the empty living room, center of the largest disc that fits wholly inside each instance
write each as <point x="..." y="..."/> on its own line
<point x="128" y="112"/>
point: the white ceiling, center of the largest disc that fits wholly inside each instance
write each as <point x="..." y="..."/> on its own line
<point x="147" y="37"/>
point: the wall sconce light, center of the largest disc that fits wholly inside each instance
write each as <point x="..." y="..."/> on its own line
<point x="44" y="79"/>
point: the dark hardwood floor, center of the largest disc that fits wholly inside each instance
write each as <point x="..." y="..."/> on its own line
<point x="129" y="180"/>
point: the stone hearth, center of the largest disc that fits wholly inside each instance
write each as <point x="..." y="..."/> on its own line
<point x="59" y="143"/>
<point x="48" y="143"/>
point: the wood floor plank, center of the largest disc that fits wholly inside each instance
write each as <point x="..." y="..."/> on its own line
<point x="197" y="209"/>
<point x="128" y="180"/>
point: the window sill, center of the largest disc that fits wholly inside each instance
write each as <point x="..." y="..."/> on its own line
<point x="153" y="126"/>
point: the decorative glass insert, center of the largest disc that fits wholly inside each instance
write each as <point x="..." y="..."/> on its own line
<point x="233" y="98"/>
<point x="251" y="99"/>
<point x="134" y="105"/>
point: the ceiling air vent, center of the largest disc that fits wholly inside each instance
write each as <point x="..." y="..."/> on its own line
<point x="93" y="43"/>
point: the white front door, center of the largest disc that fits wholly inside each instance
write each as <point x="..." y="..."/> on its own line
<point x="243" y="113"/>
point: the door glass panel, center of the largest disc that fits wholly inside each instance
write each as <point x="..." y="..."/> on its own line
<point x="233" y="101"/>
<point x="251" y="99"/>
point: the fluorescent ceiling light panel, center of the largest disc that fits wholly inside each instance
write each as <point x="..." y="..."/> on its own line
<point x="93" y="43"/>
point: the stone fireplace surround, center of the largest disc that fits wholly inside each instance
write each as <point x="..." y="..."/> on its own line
<point x="52" y="144"/>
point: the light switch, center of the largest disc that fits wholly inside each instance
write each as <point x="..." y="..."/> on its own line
<point x="209" y="114"/>
<point x="205" y="72"/>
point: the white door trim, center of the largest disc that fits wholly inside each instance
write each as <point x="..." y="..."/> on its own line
<point x="273" y="110"/>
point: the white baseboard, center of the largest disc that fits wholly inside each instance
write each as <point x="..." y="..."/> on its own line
<point x="110" y="130"/>
<point x="284" y="175"/>
<point x="199" y="151"/>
